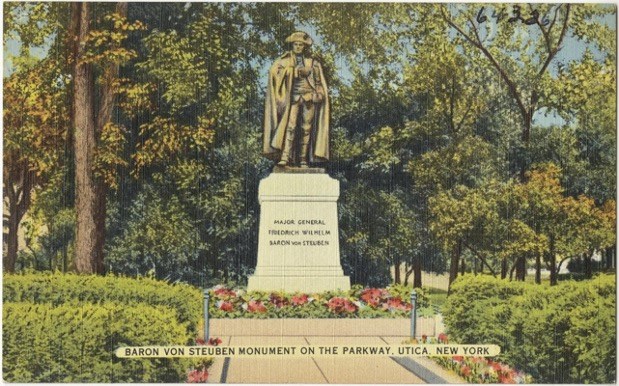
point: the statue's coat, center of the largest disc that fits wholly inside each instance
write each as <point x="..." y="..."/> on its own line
<point x="277" y="109"/>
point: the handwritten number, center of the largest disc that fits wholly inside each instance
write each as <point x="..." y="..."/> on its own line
<point x="480" y="16"/>
<point x="533" y="19"/>
<point x="499" y="16"/>
<point x="516" y="17"/>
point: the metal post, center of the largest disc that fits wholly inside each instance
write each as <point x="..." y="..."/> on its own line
<point x="206" y="321"/>
<point x="413" y="314"/>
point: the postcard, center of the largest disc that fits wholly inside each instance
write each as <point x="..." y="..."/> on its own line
<point x="275" y="192"/>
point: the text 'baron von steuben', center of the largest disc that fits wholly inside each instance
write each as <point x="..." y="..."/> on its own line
<point x="311" y="351"/>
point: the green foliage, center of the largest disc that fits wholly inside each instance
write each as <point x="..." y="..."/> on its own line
<point x="56" y="289"/>
<point x="75" y="342"/>
<point x="559" y="334"/>
<point x="159" y="239"/>
<point x="513" y="219"/>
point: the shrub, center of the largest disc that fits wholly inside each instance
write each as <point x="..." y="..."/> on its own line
<point x="75" y="342"/>
<point x="559" y="334"/>
<point x="57" y="289"/>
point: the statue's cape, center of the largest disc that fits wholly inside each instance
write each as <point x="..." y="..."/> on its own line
<point x="277" y="109"/>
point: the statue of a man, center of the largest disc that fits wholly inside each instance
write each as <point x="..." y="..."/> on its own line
<point x="296" y="96"/>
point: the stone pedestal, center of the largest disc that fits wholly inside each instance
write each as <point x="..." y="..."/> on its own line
<point x="298" y="243"/>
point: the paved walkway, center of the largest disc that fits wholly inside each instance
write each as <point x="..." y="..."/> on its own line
<point x="318" y="370"/>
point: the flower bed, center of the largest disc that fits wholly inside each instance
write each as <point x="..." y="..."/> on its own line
<point x="391" y="302"/>
<point x="476" y="369"/>
<point x="198" y="373"/>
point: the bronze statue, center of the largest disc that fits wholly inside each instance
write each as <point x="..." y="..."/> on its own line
<point x="296" y="96"/>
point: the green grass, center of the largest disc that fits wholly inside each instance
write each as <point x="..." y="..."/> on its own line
<point x="437" y="297"/>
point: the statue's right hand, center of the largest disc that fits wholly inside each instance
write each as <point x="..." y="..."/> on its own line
<point x="304" y="71"/>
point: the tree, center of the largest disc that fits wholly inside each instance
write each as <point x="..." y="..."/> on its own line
<point x="35" y="125"/>
<point x="97" y="55"/>
<point x="35" y="130"/>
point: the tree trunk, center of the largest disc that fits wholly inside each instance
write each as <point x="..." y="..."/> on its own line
<point x="91" y="192"/>
<point x="610" y="258"/>
<point x="475" y="266"/>
<point x="88" y="254"/>
<point x="588" y="264"/>
<point x="453" y="267"/>
<point x="417" y="273"/>
<point x="11" y="248"/>
<point x="521" y="268"/>
<point x="397" y="278"/>
<point x="553" y="261"/>
<point x="504" y="268"/>
<point x="462" y="266"/>
<point x="538" y="269"/>
<point x="18" y="190"/>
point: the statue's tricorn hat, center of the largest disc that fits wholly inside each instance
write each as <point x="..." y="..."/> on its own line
<point x="299" y="36"/>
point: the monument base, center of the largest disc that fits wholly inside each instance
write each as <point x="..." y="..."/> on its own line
<point x="305" y="284"/>
<point x="298" y="243"/>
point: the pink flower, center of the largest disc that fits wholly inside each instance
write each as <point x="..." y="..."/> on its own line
<point x="197" y="376"/>
<point x="506" y="378"/>
<point x="465" y="371"/>
<point x="256" y="306"/>
<point x="278" y="301"/>
<point x="226" y="306"/>
<point x="494" y="365"/>
<point x="214" y="342"/>
<point x="442" y="338"/>
<point x="397" y="304"/>
<point x="299" y="300"/>
<point x="223" y="292"/>
<point x="340" y="305"/>
<point x="373" y="296"/>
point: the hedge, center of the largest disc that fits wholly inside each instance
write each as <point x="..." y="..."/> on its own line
<point x="58" y="288"/>
<point x="75" y="342"/>
<point x="559" y="334"/>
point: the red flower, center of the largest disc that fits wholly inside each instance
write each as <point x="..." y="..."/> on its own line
<point x="442" y="338"/>
<point x="465" y="371"/>
<point x="278" y="301"/>
<point x="458" y="358"/>
<point x="424" y="338"/>
<point x="340" y="305"/>
<point x="256" y="306"/>
<point x="226" y="306"/>
<point x="200" y="341"/>
<point x="397" y="304"/>
<point x="506" y="378"/>
<point x="373" y="296"/>
<point x="214" y="342"/>
<point x="299" y="300"/>
<point x="197" y="376"/>
<point x="223" y="292"/>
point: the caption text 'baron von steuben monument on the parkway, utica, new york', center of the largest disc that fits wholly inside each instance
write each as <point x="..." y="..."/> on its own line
<point x="298" y="243"/>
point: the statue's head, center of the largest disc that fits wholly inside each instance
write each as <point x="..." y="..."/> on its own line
<point x="300" y="40"/>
